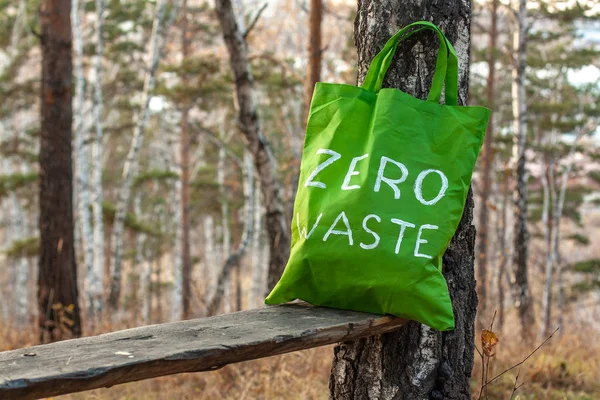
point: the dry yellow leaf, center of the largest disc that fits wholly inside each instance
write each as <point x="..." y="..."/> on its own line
<point x="488" y="340"/>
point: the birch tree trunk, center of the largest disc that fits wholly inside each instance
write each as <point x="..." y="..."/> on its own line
<point x="94" y="283"/>
<point x="257" y="261"/>
<point x="57" y="274"/>
<point x="225" y="231"/>
<point x="234" y="259"/>
<point x="503" y="256"/>
<point x="82" y="166"/>
<point x="416" y="362"/>
<point x="18" y="222"/>
<point x="157" y="41"/>
<point x="549" y="192"/>
<point x="210" y="259"/>
<point x="521" y="234"/>
<point x="487" y="161"/>
<point x="142" y="264"/>
<point x="560" y="204"/>
<point x="257" y="144"/>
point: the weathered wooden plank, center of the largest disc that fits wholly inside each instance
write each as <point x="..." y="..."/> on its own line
<point x="187" y="346"/>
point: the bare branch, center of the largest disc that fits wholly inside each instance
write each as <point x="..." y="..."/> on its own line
<point x="255" y="20"/>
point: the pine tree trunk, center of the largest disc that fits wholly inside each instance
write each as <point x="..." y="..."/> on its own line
<point x="416" y="362"/>
<point x="313" y="75"/>
<point x="157" y="42"/>
<point x="521" y="234"/>
<point x="186" y="260"/>
<point x="58" y="303"/>
<point x="94" y="284"/>
<point x="487" y="165"/>
<point x="257" y="144"/>
<point x="82" y="167"/>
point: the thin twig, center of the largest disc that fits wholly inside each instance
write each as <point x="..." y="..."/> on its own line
<point x="493" y="319"/>
<point x="254" y="20"/>
<point x="525" y="359"/>
<point x="515" y="386"/>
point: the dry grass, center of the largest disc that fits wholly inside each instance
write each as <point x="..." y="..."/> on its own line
<point x="567" y="367"/>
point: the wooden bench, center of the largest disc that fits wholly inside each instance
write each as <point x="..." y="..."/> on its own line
<point x="187" y="346"/>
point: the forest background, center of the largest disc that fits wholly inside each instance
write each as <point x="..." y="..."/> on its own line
<point x="169" y="209"/>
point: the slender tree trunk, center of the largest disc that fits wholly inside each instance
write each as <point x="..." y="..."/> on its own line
<point x="82" y="166"/>
<point x="313" y="75"/>
<point x="258" y="263"/>
<point x="58" y="303"/>
<point x="503" y="256"/>
<point x="487" y="166"/>
<point x="225" y="231"/>
<point x="234" y="259"/>
<point x="18" y="222"/>
<point x="548" y="206"/>
<point x="257" y="144"/>
<point x="94" y="284"/>
<point x="157" y="41"/>
<point x="141" y="263"/>
<point x="560" y="204"/>
<point x="416" y="362"/>
<point x="521" y="234"/>
<point x="186" y="260"/>
<point x="210" y="255"/>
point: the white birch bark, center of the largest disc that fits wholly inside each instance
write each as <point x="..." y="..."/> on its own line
<point x="94" y="277"/>
<point x="549" y="192"/>
<point x="82" y="166"/>
<point x="157" y="41"/>
<point x="210" y="260"/>
<point x="258" y="262"/>
<point x="226" y="233"/>
<point x="142" y="264"/>
<point x="20" y="265"/>
<point x="15" y="229"/>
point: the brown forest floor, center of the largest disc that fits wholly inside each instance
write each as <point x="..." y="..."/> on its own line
<point x="567" y="367"/>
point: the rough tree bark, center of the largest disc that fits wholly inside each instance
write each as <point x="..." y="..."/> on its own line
<point x="521" y="234"/>
<point x="313" y="75"/>
<point x="487" y="166"/>
<point x="257" y="144"/>
<point x="416" y="362"/>
<point x="57" y="275"/>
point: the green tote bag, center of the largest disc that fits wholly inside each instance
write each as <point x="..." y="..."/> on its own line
<point x="382" y="187"/>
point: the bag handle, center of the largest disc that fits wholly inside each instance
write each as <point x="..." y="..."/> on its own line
<point x="446" y="67"/>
